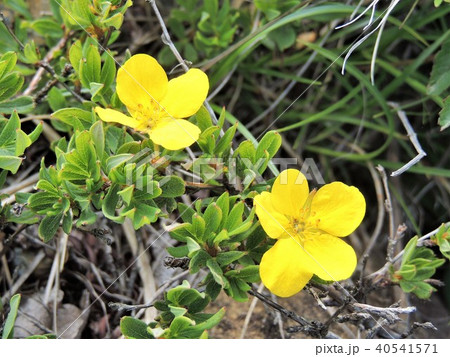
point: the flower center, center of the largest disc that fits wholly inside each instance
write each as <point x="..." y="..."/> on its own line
<point x="147" y="114"/>
<point x="302" y="221"/>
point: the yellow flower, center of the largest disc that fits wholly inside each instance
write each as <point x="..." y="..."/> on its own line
<point x="156" y="105"/>
<point x="307" y="226"/>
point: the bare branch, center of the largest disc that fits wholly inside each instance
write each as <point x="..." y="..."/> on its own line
<point x="412" y="137"/>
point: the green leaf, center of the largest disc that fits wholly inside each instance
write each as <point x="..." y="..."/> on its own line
<point x="224" y="143"/>
<point x="421" y="289"/>
<point x="198" y="227"/>
<point x="444" y="115"/>
<point x="284" y="37"/>
<point x="126" y="194"/>
<point x="440" y="74"/>
<point x="48" y="226"/>
<point x="108" y="72"/>
<point x="172" y="186"/>
<point x="21" y="105"/>
<point x="7" y="63"/>
<point x="47" y="27"/>
<point x="75" y="55"/>
<point x="141" y="214"/>
<point x="134" y="328"/>
<point x="178" y="252"/>
<point x="98" y="138"/>
<point x="212" y="217"/>
<point x="67" y="222"/>
<point x="10" y="163"/>
<point x="8" y="328"/>
<point x="10" y="85"/>
<point x="183" y="295"/>
<point x="90" y="67"/>
<point x="217" y="273"/>
<point x="179" y="324"/>
<point x="238" y="290"/>
<point x="198" y="260"/>
<point x="270" y="143"/>
<point x="442" y="238"/>
<point x="409" y="250"/>
<point x="110" y="202"/>
<point x="226" y="258"/>
<point x="186" y="212"/>
<point x="223" y="202"/>
<point x="248" y="274"/>
<point x="114" y="21"/>
<point x="30" y="53"/>
<point x="234" y="219"/>
<point x="211" y="322"/>
<point x="56" y="99"/>
<point x="246" y="150"/>
<point x="203" y="118"/>
<point x="76" y="118"/>
<point x="96" y="89"/>
<point x="181" y="232"/>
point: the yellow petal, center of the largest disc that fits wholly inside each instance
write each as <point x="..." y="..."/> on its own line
<point x="273" y="222"/>
<point x="289" y="192"/>
<point x="337" y="209"/>
<point x="174" y="134"/>
<point x="140" y="81"/>
<point x="284" y="269"/>
<point x="330" y="257"/>
<point x="113" y="116"/>
<point x="186" y="94"/>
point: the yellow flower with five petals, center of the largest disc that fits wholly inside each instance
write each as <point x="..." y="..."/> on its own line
<point x="307" y="226"/>
<point x="157" y="105"/>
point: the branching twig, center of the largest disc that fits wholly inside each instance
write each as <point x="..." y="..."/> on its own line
<point x="312" y="328"/>
<point x="168" y="41"/>
<point x="381" y="272"/>
<point x="388" y="206"/>
<point x="412" y="137"/>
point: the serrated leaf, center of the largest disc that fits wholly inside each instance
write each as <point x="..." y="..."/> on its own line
<point x="48" y="227"/>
